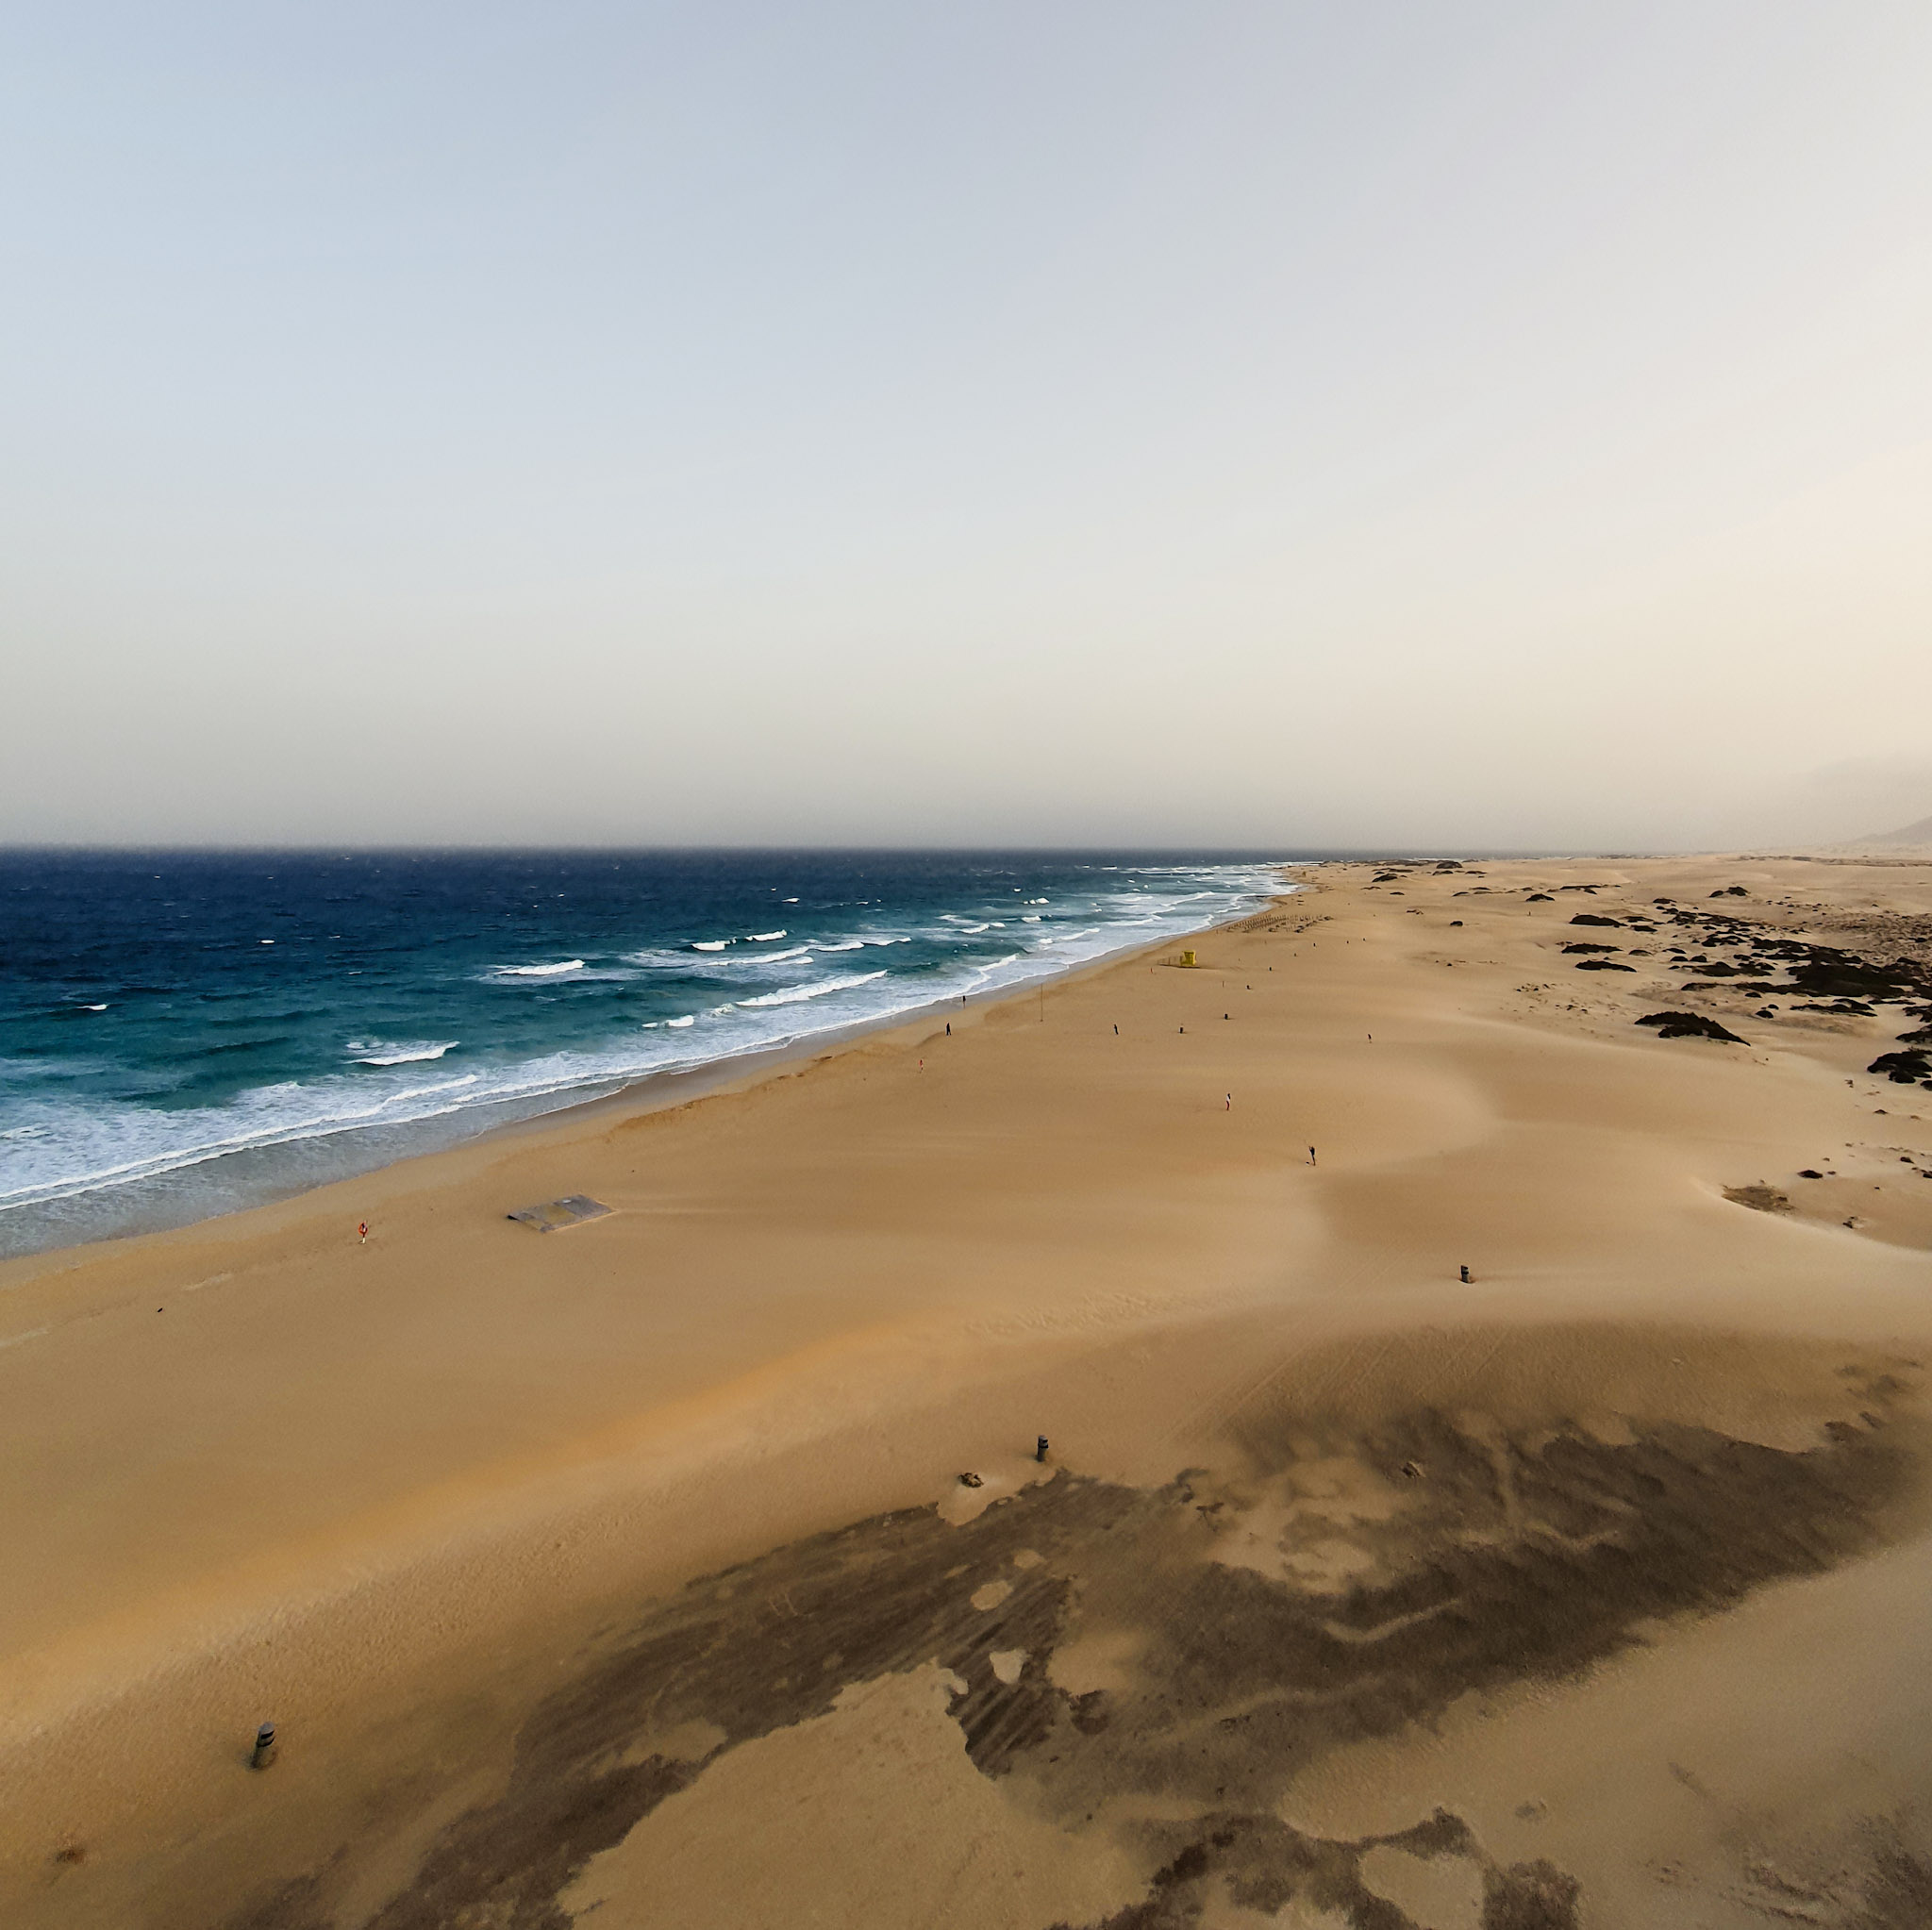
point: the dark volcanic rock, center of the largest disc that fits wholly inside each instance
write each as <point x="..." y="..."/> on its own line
<point x="1596" y="918"/>
<point x="1903" y="1067"/>
<point x="1689" y="1025"/>
<point x="1583" y="946"/>
<point x="1827" y="973"/>
<point x="1602" y="965"/>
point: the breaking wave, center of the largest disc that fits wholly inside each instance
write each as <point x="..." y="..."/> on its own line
<point x="798" y="993"/>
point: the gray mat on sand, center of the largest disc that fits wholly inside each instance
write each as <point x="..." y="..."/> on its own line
<point x="572" y="1211"/>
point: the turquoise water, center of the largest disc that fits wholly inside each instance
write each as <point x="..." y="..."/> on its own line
<point x="184" y="1033"/>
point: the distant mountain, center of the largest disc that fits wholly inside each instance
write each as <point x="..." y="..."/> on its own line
<point x="1910" y="841"/>
<point x="1919" y="833"/>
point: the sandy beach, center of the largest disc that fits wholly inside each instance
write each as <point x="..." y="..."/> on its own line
<point x="625" y="1575"/>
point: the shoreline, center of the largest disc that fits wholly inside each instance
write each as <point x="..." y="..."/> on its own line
<point x="650" y="1091"/>
<point x="405" y="1497"/>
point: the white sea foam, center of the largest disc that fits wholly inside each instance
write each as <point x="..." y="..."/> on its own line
<point x="765" y="938"/>
<point x="690" y="1019"/>
<point x="800" y="992"/>
<point x="410" y="1093"/>
<point x="122" y="1146"/>
<point x="982" y="974"/>
<point x="712" y="945"/>
<point x="556" y="970"/>
<point x="679" y="960"/>
<point x="377" y="1053"/>
<point x="772" y="957"/>
<point x="844" y="945"/>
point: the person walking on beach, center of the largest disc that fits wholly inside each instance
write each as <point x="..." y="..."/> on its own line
<point x="362" y="1233"/>
<point x="1312" y="1155"/>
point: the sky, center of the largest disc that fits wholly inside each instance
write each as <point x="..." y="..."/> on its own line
<point x="1469" y="426"/>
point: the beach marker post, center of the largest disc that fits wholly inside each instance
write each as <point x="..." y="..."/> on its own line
<point x="1465" y="1276"/>
<point x="264" y="1747"/>
<point x="1040" y="1448"/>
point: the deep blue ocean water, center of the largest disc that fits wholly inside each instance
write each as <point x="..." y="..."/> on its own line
<point x="184" y="1033"/>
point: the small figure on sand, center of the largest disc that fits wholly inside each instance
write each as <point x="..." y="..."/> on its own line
<point x="1312" y="1155"/>
<point x="362" y="1232"/>
<point x="1228" y="1105"/>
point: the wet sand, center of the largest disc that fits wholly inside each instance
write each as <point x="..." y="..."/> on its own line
<point x="625" y="1576"/>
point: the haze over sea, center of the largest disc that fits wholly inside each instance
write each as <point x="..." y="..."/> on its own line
<point x="185" y="1033"/>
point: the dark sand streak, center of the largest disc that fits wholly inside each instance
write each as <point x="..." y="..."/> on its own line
<point x="1518" y="1555"/>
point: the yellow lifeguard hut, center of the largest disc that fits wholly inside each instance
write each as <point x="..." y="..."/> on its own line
<point x="1187" y="958"/>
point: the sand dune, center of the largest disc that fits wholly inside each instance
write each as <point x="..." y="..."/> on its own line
<point x="623" y="1576"/>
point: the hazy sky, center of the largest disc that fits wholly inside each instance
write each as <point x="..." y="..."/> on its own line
<point x="1268" y="425"/>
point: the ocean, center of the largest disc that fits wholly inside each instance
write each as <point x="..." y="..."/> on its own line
<point x="186" y="1033"/>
